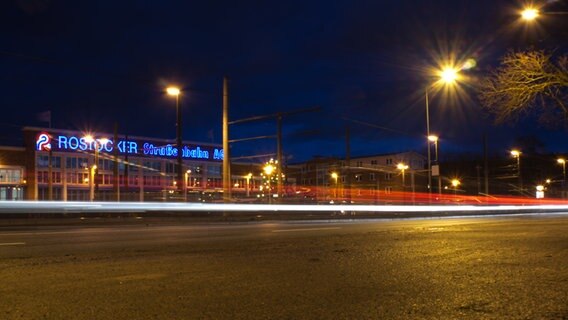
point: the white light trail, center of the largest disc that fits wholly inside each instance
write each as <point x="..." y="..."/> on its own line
<point x="148" y="207"/>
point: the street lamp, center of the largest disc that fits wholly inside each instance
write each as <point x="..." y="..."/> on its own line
<point x="562" y="161"/>
<point x="446" y="76"/>
<point x="173" y="91"/>
<point x="248" y="177"/>
<point x="529" y="14"/>
<point x="517" y="154"/>
<point x="187" y="173"/>
<point x="334" y="175"/>
<point x="402" y="167"/>
<point x="268" y="170"/>
<point x="455" y="184"/>
<point x="435" y="139"/>
<point x="94" y="172"/>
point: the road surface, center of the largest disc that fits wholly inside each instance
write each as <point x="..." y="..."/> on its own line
<point x="443" y="268"/>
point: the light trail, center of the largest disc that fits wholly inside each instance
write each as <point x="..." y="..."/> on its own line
<point x="305" y="229"/>
<point x="31" y="207"/>
<point x="12" y="244"/>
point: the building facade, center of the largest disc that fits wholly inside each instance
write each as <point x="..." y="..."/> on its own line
<point x="66" y="165"/>
<point x="366" y="177"/>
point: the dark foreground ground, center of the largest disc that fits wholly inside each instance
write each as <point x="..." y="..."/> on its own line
<point x="474" y="268"/>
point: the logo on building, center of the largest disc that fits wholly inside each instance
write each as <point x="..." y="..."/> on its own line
<point x="43" y="142"/>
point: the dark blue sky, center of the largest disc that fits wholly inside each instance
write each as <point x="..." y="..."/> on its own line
<point x="97" y="62"/>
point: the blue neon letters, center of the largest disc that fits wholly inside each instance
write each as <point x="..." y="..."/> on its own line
<point x="131" y="147"/>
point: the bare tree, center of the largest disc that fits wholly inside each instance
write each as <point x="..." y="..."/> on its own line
<point x="526" y="81"/>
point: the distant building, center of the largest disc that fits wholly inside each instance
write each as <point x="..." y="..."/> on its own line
<point x="325" y="178"/>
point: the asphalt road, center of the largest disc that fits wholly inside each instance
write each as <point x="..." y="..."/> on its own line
<point x="456" y="268"/>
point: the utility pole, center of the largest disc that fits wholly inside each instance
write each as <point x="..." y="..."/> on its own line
<point x="226" y="153"/>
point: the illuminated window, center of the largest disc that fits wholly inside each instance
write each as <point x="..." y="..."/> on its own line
<point x="13" y="176"/>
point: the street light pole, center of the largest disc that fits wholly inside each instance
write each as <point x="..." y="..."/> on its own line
<point x="94" y="179"/>
<point x="248" y="177"/>
<point x="517" y="154"/>
<point x="435" y="139"/>
<point x="173" y="91"/>
<point x="334" y="175"/>
<point x="447" y="76"/>
<point x="402" y="167"/>
<point x="186" y="184"/>
<point x="268" y="170"/>
<point x="428" y="143"/>
<point x="562" y="161"/>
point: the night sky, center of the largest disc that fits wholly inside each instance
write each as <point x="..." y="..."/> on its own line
<point x="94" y="63"/>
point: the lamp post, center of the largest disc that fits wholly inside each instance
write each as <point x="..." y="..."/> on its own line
<point x="268" y="170"/>
<point x="435" y="139"/>
<point x="562" y="161"/>
<point x="447" y="76"/>
<point x="517" y="154"/>
<point x="402" y="167"/>
<point x="248" y="177"/>
<point x="455" y="184"/>
<point x="186" y="179"/>
<point x="334" y="175"/>
<point x="97" y="144"/>
<point x="173" y="91"/>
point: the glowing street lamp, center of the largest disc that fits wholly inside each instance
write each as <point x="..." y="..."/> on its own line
<point x="446" y="76"/>
<point x="248" y="177"/>
<point x="449" y="75"/>
<point x="334" y="176"/>
<point x="268" y="170"/>
<point x="529" y="14"/>
<point x="435" y="139"/>
<point x="187" y="173"/>
<point x="174" y="91"/>
<point x="94" y="172"/>
<point x="402" y="167"/>
<point x="455" y="183"/>
<point x="517" y="154"/>
<point x="562" y="161"/>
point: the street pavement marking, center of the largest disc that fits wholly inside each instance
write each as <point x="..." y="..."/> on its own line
<point x="12" y="244"/>
<point x="306" y="229"/>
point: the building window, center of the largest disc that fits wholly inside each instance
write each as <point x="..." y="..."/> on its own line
<point x="374" y="162"/>
<point x="42" y="161"/>
<point x="389" y="161"/>
<point x="358" y="177"/>
<point x="71" y="163"/>
<point x="388" y="176"/>
<point x="359" y="163"/>
<point x="10" y="176"/>
<point x="372" y="176"/>
<point x="388" y="190"/>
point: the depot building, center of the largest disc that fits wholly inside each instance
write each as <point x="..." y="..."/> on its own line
<point x="65" y="165"/>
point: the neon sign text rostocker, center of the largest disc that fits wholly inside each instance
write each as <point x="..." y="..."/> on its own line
<point x="74" y="143"/>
